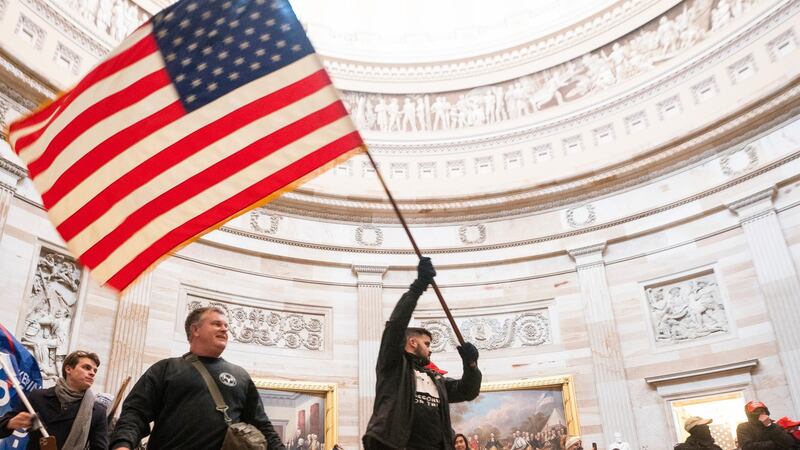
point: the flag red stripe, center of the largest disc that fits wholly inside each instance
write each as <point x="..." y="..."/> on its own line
<point x="208" y="178"/>
<point x="186" y="147"/>
<point x="232" y="205"/>
<point x="38" y="116"/>
<point x="97" y="112"/>
<point x="108" y="150"/>
<point x="141" y="49"/>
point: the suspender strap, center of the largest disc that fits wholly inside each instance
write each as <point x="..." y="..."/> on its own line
<point x="213" y="389"/>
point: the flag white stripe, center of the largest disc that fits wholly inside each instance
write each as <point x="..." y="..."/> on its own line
<point x="126" y="44"/>
<point x="196" y="163"/>
<point x="102" y="130"/>
<point x="161" y="139"/>
<point x="216" y="194"/>
<point x="99" y="91"/>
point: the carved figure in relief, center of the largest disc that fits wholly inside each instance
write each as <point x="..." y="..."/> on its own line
<point x="667" y="35"/>
<point x="618" y="443"/>
<point x="422" y="116"/>
<point x="119" y="26"/>
<point x="687" y="311"/>
<point x="104" y="16"/>
<point x="409" y="116"/>
<point x="382" y="114"/>
<point x="720" y="15"/>
<point x="394" y="114"/>
<point x="440" y="114"/>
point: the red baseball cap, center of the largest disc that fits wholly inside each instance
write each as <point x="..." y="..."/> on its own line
<point x="433" y="367"/>
<point x="753" y="405"/>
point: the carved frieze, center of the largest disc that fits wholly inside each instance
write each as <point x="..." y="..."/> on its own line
<point x="472" y="234"/>
<point x="269" y="327"/>
<point x="581" y="216"/>
<point x="739" y="161"/>
<point x="50" y="309"/>
<point x="644" y="50"/>
<point x="30" y="31"/>
<point x="686" y="309"/>
<point x="493" y="332"/>
<point x="782" y="45"/>
<point x="369" y="235"/>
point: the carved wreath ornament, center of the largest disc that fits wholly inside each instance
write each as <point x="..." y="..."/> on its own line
<point x="527" y="329"/>
<point x="269" y="328"/>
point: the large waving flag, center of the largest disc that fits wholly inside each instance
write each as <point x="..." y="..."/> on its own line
<point x="29" y="377"/>
<point x="209" y="109"/>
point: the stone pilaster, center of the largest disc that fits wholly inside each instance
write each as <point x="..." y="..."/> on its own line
<point x="370" y="329"/>
<point x="10" y="176"/>
<point x="777" y="277"/>
<point x="611" y="385"/>
<point x="130" y="331"/>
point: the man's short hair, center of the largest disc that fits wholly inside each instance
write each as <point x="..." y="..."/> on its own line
<point x="417" y="331"/>
<point x="196" y="315"/>
<point x="74" y="358"/>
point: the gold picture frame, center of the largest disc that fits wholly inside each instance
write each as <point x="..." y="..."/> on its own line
<point x="476" y="413"/>
<point x="328" y="390"/>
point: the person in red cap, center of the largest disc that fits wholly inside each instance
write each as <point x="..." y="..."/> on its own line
<point x="760" y="432"/>
<point x="791" y="426"/>
<point x="699" y="435"/>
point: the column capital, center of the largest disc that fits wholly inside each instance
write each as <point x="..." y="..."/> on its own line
<point x="588" y="255"/>
<point x="754" y="205"/>
<point x="368" y="274"/>
<point x="10" y="174"/>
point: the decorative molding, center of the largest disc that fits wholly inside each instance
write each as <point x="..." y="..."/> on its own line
<point x="739" y="161"/>
<point x="767" y="194"/>
<point x="513" y="160"/>
<point x="783" y="44"/>
<point x="472" y="234"/>
<point x="22" y="77"/>
<point x="580" y="216"/>
<point x="603" y="134"/>
<point x="493" y="332"/>
<point x="705" y="90"/>
<point x="686" y="309"/>
<point x="636" y="122"/>
<point x="269" y="327"/>
<point x="359" y="269"/>
<point x="742" y="69"/>
<point x="365" y="230"/>
<point x="259" y="216"/>
<point x="85" y="40"/>
<point x="67" y="55"/>
<point x="25" y="24"/>
<point x="669" y="107"/>
<point x="745" y="365"/>
<point x="3" y="5"/>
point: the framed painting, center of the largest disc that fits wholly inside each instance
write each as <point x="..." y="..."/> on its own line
<point x="304" y="414"/>
<point x="537" y="411"/>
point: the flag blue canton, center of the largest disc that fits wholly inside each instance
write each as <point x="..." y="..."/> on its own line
<point x="212" y="47"/>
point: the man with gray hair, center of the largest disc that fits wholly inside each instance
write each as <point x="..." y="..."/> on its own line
<point x="173" y="395"/>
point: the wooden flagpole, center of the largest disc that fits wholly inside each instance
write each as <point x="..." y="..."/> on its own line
<point x="416" y="248"/>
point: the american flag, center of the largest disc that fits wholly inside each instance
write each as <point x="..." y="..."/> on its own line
<point x="210" y="108"/>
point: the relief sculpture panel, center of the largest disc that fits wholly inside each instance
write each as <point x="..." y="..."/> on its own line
<point x="269" y="327"/>
<point x="686" y="309"/>
<point x="51" y="306"/>
<point x="493" y="332"/>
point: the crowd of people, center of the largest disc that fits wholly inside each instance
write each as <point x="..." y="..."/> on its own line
<point x="194" y="401"/>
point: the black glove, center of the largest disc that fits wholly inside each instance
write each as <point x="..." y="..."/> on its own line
<point x="469" y="354"/>
<point x="425" y="274"/>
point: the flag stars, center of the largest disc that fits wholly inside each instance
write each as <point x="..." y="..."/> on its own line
<point x="206" y="15"/>
<point x="202" y="66"/>
<point x="207" y="51"/>
<point x="191" y="7"/>
<point x="184" y="23"/>
<point x="244" y="45"/>
<point x="223" y="54"/>
<point x="249" y="31"/>
<point x="255" y="16"/>
<point x="169" y="16"/>
<point x="228" y="40"/>
<point x="213" y="33"/>
<point x="233" y="76"/>
<point x="233" y="24"/>
<point x="269" y="22"/>
<point x="255" y="66"/>
<point x="171" y="57"/>
<point x="220" y="21"/>
<point x="226" y="5"/>
<point x="196" y="82"/>
<point x="191" y="98"/>
<point x="180" y="77"/>
<point x="212" y="87"/>
<point x="240" y="10"/>
<point x="192" y="46"/>
<point x="177" y="41"/>
<point x="280" y="44"/>
<point x="276" y="58"/>
<point x="199" y="32"/>
<point x="274" y="5"/>
<point x="161" y="33"/>
<point x="296" y="48"/>
<point x="264" y="37"/>
<point x="260" y="52"/>
<point x="218" y="71"/>
<point x="186" y="61"/>
<point x="238" y="61"/>
<point x="285" y="27"/>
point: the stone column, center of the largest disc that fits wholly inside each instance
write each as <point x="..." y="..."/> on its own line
<point x="10" y="176"/>
<point x="777" y="277"/>
<point x="130" y="331"/>
<point x="614" y="401"/>
<point x="370" y="329"/>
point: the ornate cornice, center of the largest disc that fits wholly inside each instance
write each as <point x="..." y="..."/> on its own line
<point x="86" y="40"/>
<point x="13" y="169"/>
<point x="757" y="197"/>
<point x="511" y="58"/>
<point x="26" y="80"/>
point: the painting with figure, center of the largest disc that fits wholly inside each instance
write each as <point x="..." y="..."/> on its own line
<point x="298" y="417"/>
<point x="528" y="419"/>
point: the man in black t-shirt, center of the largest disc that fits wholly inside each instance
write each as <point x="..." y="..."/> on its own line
<point x="173" y="395"/>
<point x="411" y="407"/>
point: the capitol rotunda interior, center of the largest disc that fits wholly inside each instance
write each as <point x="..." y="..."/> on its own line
<point x="607" y="190"/>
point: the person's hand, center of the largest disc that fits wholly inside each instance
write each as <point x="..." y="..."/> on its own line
<point x="425" y="274"/>
<point x="469" y="354"/>
<point x="21" y="420"/>
<point x="765" y="420"/>
<point x="425" y="270"/>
